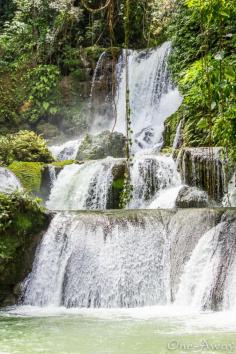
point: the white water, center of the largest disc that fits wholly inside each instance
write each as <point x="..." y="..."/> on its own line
<point x="97" y="70"/>
<point x="229" y="199"/>
<point x="65" y="151"/>
<point x="201" y="271"/>
<point x="178" y="135"/>
<point x="84" y="186"/>
<point x="9" y="183"/>
<point x="89" y="261"/>
<point x="155" y="180"/>
<point x="152" y="95"/>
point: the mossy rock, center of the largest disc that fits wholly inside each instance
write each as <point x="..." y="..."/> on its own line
<point x="29" y="174"/>
<point x="22" y="221"/>
<point x="95" y="147"/>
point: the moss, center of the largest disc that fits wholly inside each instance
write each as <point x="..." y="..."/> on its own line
<point x="29" y="174"/>
<point x="21" y="222"/>
<point x="63" y="163"/>
<point x="167" y="150"/>
<point x="118" y="184"/>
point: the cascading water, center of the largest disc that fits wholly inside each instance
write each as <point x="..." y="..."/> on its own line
<point x="152" y="95"/>
<point x="152" y="99"/>
<point x="151" y="176"/>
<point x="125" y="260"/>
<point x="88" y="260"/>
<point x="84" y="186"/>
<point x="201" y="271"/>
<point x="65" y="151"/>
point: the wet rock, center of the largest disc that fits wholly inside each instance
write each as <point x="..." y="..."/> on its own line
<point x="95" y="147"/>
<point x="191" y="197"/>
<point x="203" y="168"/>
<point x="8" y="181"/>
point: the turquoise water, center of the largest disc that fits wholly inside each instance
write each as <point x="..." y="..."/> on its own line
<point x="140" y="331"/>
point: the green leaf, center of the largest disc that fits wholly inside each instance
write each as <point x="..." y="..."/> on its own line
<point x="45" y="105"/>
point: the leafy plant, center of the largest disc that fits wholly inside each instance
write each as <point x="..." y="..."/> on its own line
<point x="24" y="146"/>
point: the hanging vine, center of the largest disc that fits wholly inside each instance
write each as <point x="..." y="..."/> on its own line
<point x="128" y="188"/>
<point x="90" y="9"/>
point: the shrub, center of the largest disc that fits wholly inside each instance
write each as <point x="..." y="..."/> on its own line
<point x="24" y="146"/>
<point x="19" y="212"/>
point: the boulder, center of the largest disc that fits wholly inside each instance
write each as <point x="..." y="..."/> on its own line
<point x="191" y="197"/>
<point x="9" y="183"/>
<point x="95" y="147"/>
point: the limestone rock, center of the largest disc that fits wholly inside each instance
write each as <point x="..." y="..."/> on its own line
<point x="95" y="147"/>
<point x="192" y="197"/>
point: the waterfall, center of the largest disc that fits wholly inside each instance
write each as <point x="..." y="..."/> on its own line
<point x="97" y="73"/>
<point x="65" y="151"/>
<point x="8" y="181"/>
<point x="152" y="95"/>
<point x="203" y="168"/>
<point x="136" y="258"/>
<point x="151" y="176"/>
<point x="201" y="271"/>
<point x="177" y="139"/>
<point x="84" y="186"/>
<point x="52" y="175"/>
<point x="88" y="260"/>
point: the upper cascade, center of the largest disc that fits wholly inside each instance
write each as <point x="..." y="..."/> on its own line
<point x="152" y="95"/>
<point x="152" y="99"/>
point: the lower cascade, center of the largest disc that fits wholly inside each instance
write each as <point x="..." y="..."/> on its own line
<point x="136" y="258"/>
<point x="88" y="260"/>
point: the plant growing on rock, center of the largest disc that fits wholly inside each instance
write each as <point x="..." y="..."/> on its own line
<point x="24" y="146"/>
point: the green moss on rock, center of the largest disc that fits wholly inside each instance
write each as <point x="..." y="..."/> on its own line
<point x="95" y="147"/>
<point x="22" y="221"/>
<point x="29" y="174"/>
<point x="118" y="184"/>
<point x="63" y="163"/>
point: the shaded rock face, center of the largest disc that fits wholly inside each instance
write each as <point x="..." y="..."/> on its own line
<point x="204" y="169"/>
<point x="95" y="147"/>
<point x="49" y="174"/>
<point x="225" y="272"/>
<point x="191" y="197"/>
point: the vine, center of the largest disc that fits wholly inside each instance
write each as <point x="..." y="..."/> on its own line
<point x="128" y="188"/>
<point x="88" y="8"/>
